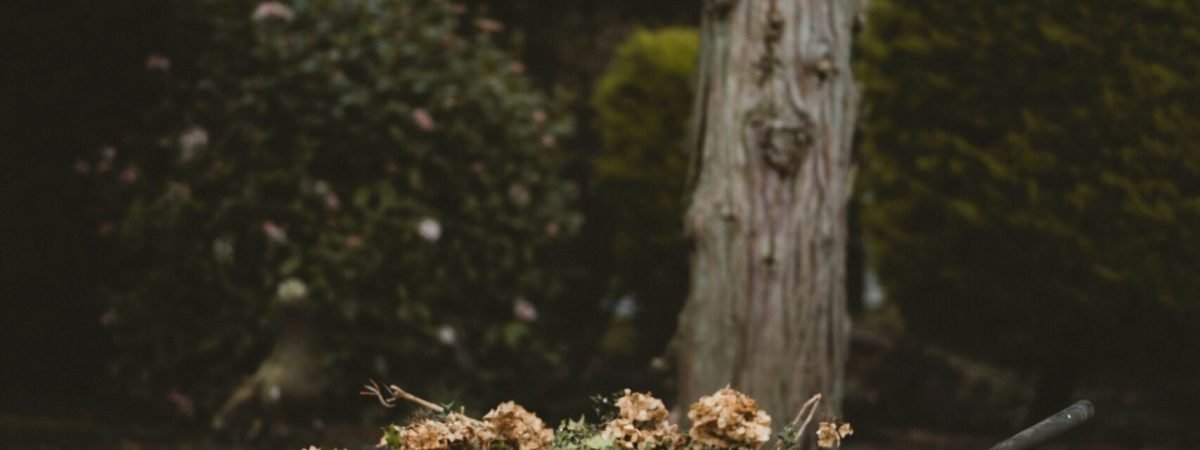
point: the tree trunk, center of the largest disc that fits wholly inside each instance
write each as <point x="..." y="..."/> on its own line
<point x="771" y="178"/>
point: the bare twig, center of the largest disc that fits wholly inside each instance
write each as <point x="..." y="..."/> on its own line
<point x="811" y="407"/>
<point x="396" y="393"/>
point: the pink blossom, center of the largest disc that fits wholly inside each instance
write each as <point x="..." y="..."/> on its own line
<point x="489" y="25"/>
<point x="274" y="232"/>
<point x="107" y="155"/>
<point x="524" y="310"/>
<point x="158" y="62"/>
<point x="552" y="229"/>
<point x="447" y="335"/>
<point x="519" y="194"/>
<point x="429" y="229"/>
<point x="273" y="10"/>
<point x="332" y="201"/>
<point x="423" y="119"/>
<point x="183" y="404"/>
<point x="191" y="141"/>
<point x="549" y="140"/>
<point x="354" y="241"/>
<point x="109" y="318"/>
<point x="516" y="67"/>
<point x="128" y="176"/>
<point x="178" y="191"/>
<point x="539" y="116"/>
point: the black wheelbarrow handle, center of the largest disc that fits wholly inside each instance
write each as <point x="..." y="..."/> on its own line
<point x="1053" y="426"/>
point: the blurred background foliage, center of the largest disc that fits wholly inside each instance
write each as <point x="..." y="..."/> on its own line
<point x="475" y="195"/>
<point x="385" y="156"/>
<point x="642" y="103"/>
<point x="1033" y="187"/>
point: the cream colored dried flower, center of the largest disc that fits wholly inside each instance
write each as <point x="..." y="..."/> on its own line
<point x="469" y="432"/>
<point x="513" y="424"/>
<point x="427" y="434"/>
<point x="641" y="423"/>
<point x="729" y="419"/>
<point x="830" y="435"/>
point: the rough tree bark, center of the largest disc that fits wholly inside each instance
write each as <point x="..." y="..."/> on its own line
<point x="771" y="178"/>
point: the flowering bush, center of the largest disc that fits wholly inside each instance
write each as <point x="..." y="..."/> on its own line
<point x="379" y="160"/>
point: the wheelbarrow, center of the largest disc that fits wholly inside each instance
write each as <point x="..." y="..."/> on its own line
<point x="1047" y="429"/>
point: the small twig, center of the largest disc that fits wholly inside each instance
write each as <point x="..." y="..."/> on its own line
<point x="395" y="393"/>
<point x="372" y="390"/>
<point x="811" y="403"/>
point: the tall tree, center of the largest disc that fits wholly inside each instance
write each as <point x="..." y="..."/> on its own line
<point x="770" y="181"/>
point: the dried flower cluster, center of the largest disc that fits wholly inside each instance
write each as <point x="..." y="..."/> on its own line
<point x="830" y="435"/>
<point x="729" y="419"/>
<point x="456" y="431"/>
<point x="641" y="423"/>
<point x="518" y="427"/>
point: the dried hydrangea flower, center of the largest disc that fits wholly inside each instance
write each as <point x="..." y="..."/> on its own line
<point x="641" y="423"/>
<point x="830" y="435"/>
<point x="427" y="434"/>
<point x="729" y="419"/>
<point x="521" y="428"/>
<point x="469" y="433"/>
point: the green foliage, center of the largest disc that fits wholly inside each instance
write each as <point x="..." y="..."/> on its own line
<point x="392" y="164"/>
<point x="1034" y="184"/>
<point x="642" y="103"/>
<point x="579" y="435"/>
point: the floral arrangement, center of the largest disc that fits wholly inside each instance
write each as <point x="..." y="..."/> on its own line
<point x="727" y="419"/>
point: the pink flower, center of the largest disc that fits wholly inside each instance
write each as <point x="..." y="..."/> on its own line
<point x="178" y="191"/>
<point x="82" y="167"/>
<point x="519" y="194"/>
<point x="128" y="176"/>
<point x="524" y="310"/>
<point x="552" y="229"/>
<point x="423" y="119"/>
<point x="549" y="140"/>
<point x="274" y="232"/>
<point x="489" y="25"/>
<point x="109" y="318"/>
<point x="191" y="141"/>
<point x="447" y="335"/>
<point x="273" y="10"/>
<point x="107" y="155"/>
<point x="354" y="241"/>
<point x="539" y="116"/>
<point x="516" y="67"/>
<point x="183" y="404"/>
<point x="332" y="201"/>
<point x="158" y="62"/>
<point x="429" y="229"/>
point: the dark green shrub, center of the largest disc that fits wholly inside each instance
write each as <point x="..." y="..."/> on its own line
<point x="642" y="103"/>
<point x="1033" y="191"/>
<point x="383" y="155"/>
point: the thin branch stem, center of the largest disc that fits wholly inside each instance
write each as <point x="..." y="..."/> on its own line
<point x="811" y="407"/>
